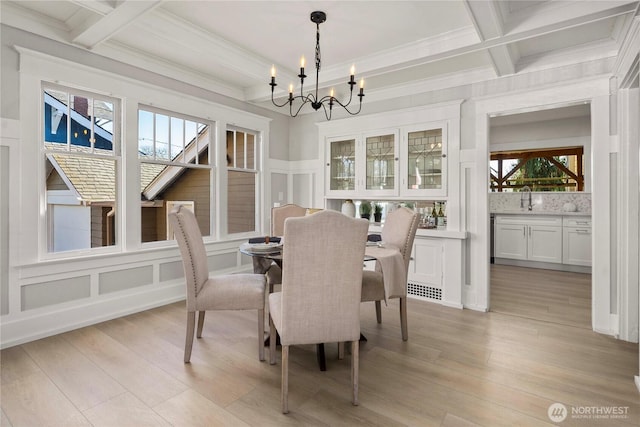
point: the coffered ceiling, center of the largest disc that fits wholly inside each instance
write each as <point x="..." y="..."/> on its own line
<point x="398" y="47"/>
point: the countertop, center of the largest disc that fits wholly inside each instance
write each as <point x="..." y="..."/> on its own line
<point x="535" y="212"/>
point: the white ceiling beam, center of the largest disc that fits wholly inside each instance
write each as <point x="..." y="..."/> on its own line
<point x="93" y="32"/>
<point x="488" y="22"/>
<point x="98" y="6"/>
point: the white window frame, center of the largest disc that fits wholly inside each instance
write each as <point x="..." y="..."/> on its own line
<point x="211" y="166"/>
<point x="256" y="170"/>
<point x="45" y="247"/>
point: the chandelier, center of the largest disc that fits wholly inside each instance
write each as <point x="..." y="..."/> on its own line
<point x="316" y="102"/>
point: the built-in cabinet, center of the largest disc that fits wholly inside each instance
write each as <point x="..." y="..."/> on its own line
<point x="425" y="266"/>
<point x="409" y="162"/>
<point x="542" y="238"/>
<point x="576" y="240"/>
<point x="528" y="238"/>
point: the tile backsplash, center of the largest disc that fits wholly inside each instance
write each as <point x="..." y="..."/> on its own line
<point x="542" y="201"/>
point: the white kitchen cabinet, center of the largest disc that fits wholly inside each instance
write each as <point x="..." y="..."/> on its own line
<point x="363" y="165"/>
<point x="544" y="243"/>
<point x="511" y="241"/>
<point x="408" y="162"/>
<point x="529" y="238"/>
<point x="576" y="241"/>
<point x="423" y="157"/>
<point x="425" y="266"/>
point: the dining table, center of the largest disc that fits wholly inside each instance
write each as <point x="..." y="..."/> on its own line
<point x="266" y="251"/>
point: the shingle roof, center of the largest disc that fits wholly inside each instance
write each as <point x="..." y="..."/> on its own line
<point x="93" y="178"/>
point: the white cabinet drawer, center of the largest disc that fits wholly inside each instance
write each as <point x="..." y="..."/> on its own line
<point x="549" y="221"/>
<point x="581" y="222"/>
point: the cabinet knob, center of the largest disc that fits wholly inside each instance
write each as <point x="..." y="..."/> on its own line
<point x="444" y="155"/>
<point x="328" y="164"/>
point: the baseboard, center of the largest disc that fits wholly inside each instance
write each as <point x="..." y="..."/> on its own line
<point x="544" y="265"/>
<point x="29" y="327"/>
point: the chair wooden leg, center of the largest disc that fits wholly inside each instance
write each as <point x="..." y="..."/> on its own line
<point x="378" y="311"/>
<point x="261" y="335"/>
<point x="403" y="318"/>
<point x="200" y="323"/>
<point x="285" y="380"/>
<point x="341" y="350"/>
<point x="355" y="360"/>
<point x="272" y="342"/>
<point x="191" y="323"/>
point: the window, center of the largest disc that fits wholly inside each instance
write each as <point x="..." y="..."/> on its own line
<point x="81" y="150"/>
<point x="557" y="169"/>
<point x="242" y="181"/>
<point x="175" y="165"/>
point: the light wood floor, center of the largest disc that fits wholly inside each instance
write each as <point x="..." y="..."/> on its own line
<point x="548" y="295"/>
<point x="459" y="368"/>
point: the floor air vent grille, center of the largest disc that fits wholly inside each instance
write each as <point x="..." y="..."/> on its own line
<point x="422" y="291"/>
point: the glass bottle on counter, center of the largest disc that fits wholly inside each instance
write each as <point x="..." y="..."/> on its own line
<point x="441" y="221"/>
<point x="434" y="215"/>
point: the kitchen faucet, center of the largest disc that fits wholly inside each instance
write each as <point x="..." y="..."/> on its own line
<point x="522" y="196"/>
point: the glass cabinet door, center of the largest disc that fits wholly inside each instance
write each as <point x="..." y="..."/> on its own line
<point x="380" y="161"/>
<point x="425" y="161"/>
<point x="342" y="165"/>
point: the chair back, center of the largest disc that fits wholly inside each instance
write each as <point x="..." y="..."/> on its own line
<point x="280" y="213"/>
<point x="399" y="230"/>
<point x="322" y="278"/>
<point x="194" y="255"/>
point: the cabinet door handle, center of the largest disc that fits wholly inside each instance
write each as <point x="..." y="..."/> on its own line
<point x="524" y="231"/>
<point x="529" y="231"/>
<point x="582" y="222"/>
<point x="583" y="231"/>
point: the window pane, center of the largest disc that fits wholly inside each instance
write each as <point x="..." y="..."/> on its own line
<point x="251" y="155"/>
<point x="163" y="187"/>
<point x="239" y="155"/>
<point x="145" y="134"/>
<point x="177" y="138"/>
<point x="81" y="215"/>
<point x="191" y="136"/>
<point x="102" y="124"/>
<point x="241" y="201"/>
<point x="55" y="117"/>
<point x="162" y="137"/>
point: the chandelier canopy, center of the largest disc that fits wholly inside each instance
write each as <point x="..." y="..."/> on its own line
<point x="314" y="99"/>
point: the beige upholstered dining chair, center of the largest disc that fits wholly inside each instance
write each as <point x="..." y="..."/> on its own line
<point x="321" y="288"/>
<point x="205" y="292"/>
<point x="278" y="215"/>
<point x="399" y="230"/>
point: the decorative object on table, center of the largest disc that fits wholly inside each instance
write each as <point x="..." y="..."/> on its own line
<point x="320" y="297"/>
<point x="377" y="212"/>
<point x="205" y="292"/>
<point x="365" y="209"/>
<point x="348" y="208"/>
<point x="399" y="230"/>
<point x="315" y="100"/>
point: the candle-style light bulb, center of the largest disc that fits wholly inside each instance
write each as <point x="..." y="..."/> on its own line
<point x="331" y="93"/>
<point x="353" y="70"/>
<point x="302" y="62"/>
<point x="273" y="71"/>
<point x="361" y="84"/>
<point x="290" y="87"/>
